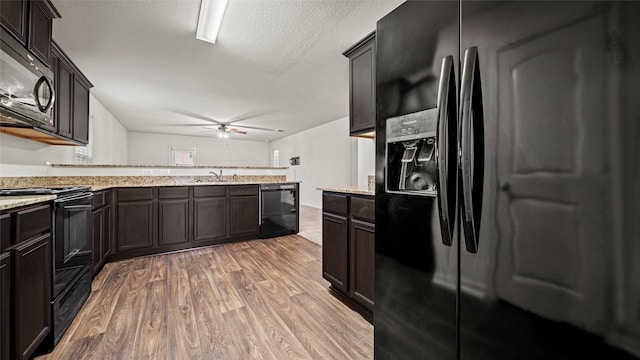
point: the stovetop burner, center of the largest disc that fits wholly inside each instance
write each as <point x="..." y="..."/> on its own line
<point x="56" y="190"/>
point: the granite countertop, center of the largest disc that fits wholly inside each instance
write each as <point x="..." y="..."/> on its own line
<point x="10" y="202"/>
<point x="170" y="166"/>
<point x="349" y="190"/>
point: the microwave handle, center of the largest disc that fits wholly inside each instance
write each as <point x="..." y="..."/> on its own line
<point x="46" y="82"/>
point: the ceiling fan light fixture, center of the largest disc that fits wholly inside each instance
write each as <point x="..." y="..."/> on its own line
<point x="210" y="19"/>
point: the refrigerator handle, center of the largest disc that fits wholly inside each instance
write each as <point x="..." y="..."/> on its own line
<point x="471" y="148"/>
<point x="447" y="149"/>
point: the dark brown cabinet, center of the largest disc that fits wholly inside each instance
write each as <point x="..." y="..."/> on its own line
<point x="210" y="213"/>
<point x="30" y="22"/>
<point x="102" y="229"/>
<point x="70" y="120"/>
<point x="152" y="220"/>
<point x="14" y="18"/>
<point x="32" y="294"/>
<point x="243" y="210"/>
<point x="348" y="247"/>
<point x="362" y="86"/>
<point x="5" y="305"/>
<point x="173" y="216"/>
<point x="335" y="243"/>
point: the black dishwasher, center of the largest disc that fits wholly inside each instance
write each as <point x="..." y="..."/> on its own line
<point x="278" y="210"/>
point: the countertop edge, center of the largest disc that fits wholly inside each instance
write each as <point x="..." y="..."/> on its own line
<point x="348" y="190"/>
<point x="11" y="202"/>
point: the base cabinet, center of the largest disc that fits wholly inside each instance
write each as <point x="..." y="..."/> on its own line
<point x="335" y="249"/>
<point x="32" y="296"/>
<point x="348" y="248"/>
<point x="5" y="305"/>
<point x="25" y="280"/>
<point x="152" y="220"/>
<point x="102" y="229"/>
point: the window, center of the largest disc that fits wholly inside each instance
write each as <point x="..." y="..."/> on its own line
<point x="183" y="156"/>
<point x="276" y="157"/>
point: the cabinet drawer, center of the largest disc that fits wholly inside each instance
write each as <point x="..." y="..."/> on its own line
<point x="362" y="208"/>
<point x="133" y="194"/>
<point x="210" y="191"/>
<point x="243" y="190"/>
<point x="32" y="221"/>
<point x="98" y="199"/>
<point x="334" y="203"/>
<point x="173" y="192"/>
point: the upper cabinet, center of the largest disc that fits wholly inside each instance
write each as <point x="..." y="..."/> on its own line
<point x="70" y="119"/>
<point x="30" y="23"/>
<point x="362" y="86"/>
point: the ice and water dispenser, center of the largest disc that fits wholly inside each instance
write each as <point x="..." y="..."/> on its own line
<point x="411" y="154"/>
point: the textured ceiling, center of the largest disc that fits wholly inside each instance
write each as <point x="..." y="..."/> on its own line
<point x="276" y="64"/>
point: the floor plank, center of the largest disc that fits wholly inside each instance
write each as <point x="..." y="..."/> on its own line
<point x="261" y="299"/>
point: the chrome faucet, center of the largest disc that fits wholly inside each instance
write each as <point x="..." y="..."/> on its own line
<point x="218" y="177"/>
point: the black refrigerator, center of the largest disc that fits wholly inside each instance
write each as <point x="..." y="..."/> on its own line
<point x="508" y="180"/>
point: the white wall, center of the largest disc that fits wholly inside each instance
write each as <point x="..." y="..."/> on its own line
<point x="109" y="137"/>
<point x="326" y="158"/>
<point x="109" y="141"/>
<point x="366" y="160"/>
<point x="154" y="149"/>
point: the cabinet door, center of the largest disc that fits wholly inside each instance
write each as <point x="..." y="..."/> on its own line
<point x="107" y="231"/>
<point x="362" y="88"/>
<point x="5" y="305"/>
<point x="173" y="218"/>
<point x="361" y="262"/>
<point x="40" y="31"/>
<point x="209" y="219"/>
<point x="243" y="212"/>
<point x="13" y="17"/>
<point x="80" y="111"/>
<point x="63" y="79"/>
<point x="135" y="225"/>
<point x="335" y="250"/>
<point x="98" y="240"/>
<point x="32" y="297"/>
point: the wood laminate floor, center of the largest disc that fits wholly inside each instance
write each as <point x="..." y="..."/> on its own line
<point x="311" y="224"/>
<point x="261" y="299"/>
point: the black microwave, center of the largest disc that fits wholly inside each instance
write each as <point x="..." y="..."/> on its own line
<point x="26" y="87"/>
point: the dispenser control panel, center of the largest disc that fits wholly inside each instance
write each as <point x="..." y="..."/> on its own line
<point x="411" y="154"/>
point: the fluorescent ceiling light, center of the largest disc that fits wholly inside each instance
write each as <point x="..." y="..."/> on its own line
<point x="210" y="19"/>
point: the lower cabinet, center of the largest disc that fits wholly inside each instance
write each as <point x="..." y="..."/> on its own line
<point x="362" y="270"/>
<point x="335" y="250"/>
<point x="243" y="210"/>
<point x="151" y="220"/>
<point x="102" y="229"/>
<point x="5" y="305"/>
<point x="25" y="280"/>
<point x="32" y="294"/>
<point x="348" y="248"/>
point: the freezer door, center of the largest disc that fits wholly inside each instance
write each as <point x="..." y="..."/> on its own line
<point x="553" y="272"/>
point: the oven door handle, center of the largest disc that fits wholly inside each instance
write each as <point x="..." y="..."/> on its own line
<point x="77" y="207"/>
<point x="73" y="198"/>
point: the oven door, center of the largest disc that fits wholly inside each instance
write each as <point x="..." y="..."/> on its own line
<point x="72" y="238"/>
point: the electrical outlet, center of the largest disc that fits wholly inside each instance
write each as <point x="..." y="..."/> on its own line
<point x="164" y="171"/>
<point x="147" y="171"/>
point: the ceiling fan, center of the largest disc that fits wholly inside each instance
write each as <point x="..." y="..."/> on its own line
<point x="224" y="128"/>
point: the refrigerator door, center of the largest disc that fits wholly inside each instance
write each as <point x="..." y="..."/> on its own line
<point x="553" y="273"/>
<point x="415" y="282"/>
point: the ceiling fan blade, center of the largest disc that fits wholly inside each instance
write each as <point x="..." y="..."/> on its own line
<point x="249" y="115"/>
<point x="195" y="116"/>
<point x="236" y="131"/>
<point x="258" y="128"/>
<point x="187" y="125"/>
